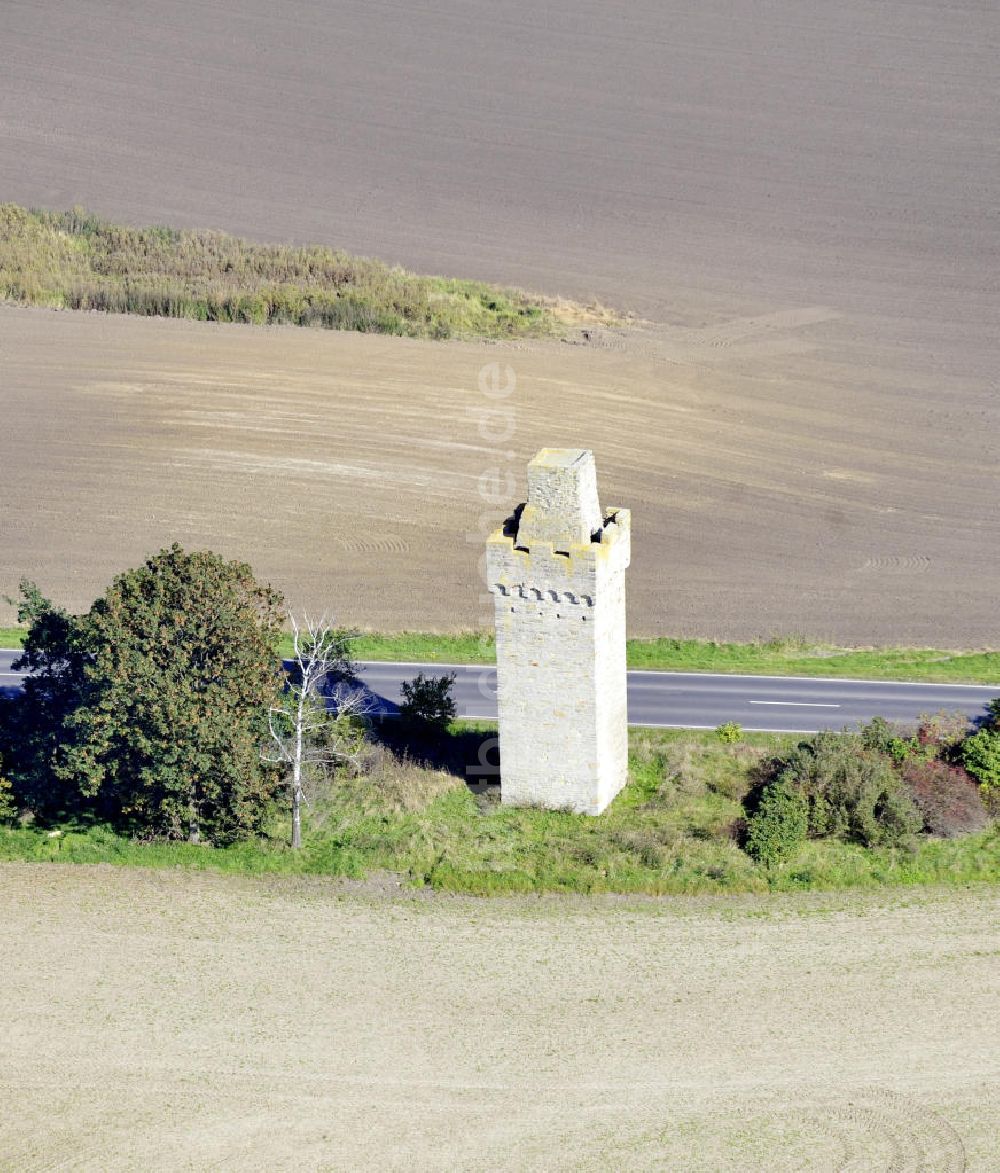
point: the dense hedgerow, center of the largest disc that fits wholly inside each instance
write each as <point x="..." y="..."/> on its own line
<point x="876" y="788"/>
<point x="948" y="799"/>
<point x="142" y="724"/>
<point x="74" y="260"/>
<point x="671" y="830"/>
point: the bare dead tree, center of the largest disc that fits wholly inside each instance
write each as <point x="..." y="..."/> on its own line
<point x="321" y="720"/>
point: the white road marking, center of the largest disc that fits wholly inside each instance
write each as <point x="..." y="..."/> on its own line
<point x="798" y="704"/>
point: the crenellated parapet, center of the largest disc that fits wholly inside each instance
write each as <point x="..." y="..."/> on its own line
<point x="514" y="564"/>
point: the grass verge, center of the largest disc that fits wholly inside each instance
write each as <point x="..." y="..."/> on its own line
<point x="672" y="830"/>
<point x="787" y="657"/>
<point x="73" y="260"/>
<point x="778" y="657"/>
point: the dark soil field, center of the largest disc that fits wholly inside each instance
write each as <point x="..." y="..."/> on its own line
<point x="800" y="195"/>
<point x="695" y="163"/>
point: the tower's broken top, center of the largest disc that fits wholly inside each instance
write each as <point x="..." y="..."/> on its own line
<point x="562" y="503"/>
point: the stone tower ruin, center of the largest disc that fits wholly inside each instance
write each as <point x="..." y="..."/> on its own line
<point x="557" y="573"/>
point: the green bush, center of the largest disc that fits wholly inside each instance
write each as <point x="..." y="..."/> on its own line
<point x="884" y="737"/>
<point x="8" y="807"/>
<point x="779" y="824"/>
<point x="852" y="791"/>
<point x="729" y="732"/>
<point x="855" y="794"/>
<point x="428" y="705"/>
<point x="981" y="755"/>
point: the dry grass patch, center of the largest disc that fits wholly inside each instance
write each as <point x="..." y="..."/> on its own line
<point x="394" y="785"/>
<point x="75" y="260"/>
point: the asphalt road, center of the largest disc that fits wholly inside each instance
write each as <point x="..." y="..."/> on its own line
<point x="698" y="700"/>
<point x="693" y="700"/>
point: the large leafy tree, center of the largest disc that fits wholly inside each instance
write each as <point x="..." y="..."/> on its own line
<point x="179" y="671"/>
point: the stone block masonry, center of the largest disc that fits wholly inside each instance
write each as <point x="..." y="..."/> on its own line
<point x="557" y="574"/>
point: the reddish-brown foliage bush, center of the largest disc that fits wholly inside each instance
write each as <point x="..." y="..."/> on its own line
<point x="947" y="797"/>
<point x="943" y="731"/>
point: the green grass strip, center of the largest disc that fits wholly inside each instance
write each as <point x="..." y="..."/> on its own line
<point x="788" y="657"/>
<point x="74" y="260"/>
<point x="773" y="658"/>
<point x="517" y="852"/>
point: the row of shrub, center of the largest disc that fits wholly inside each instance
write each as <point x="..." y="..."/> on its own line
<point x="878" y="787"/>
<point x="75" y="260"/>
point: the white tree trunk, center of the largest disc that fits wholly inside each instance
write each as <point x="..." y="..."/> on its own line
<point x="295" y="725"/>
<point x="297" y="777"/>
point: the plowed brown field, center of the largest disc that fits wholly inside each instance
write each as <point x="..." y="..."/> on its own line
<point x="347" y="470"/>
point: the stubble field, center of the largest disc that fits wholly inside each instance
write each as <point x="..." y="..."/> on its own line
<point x="169" y="1020"/>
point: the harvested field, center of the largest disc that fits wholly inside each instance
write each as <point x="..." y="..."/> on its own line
<point x="165" y="1020"/>
<point x="346" y="469"/>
